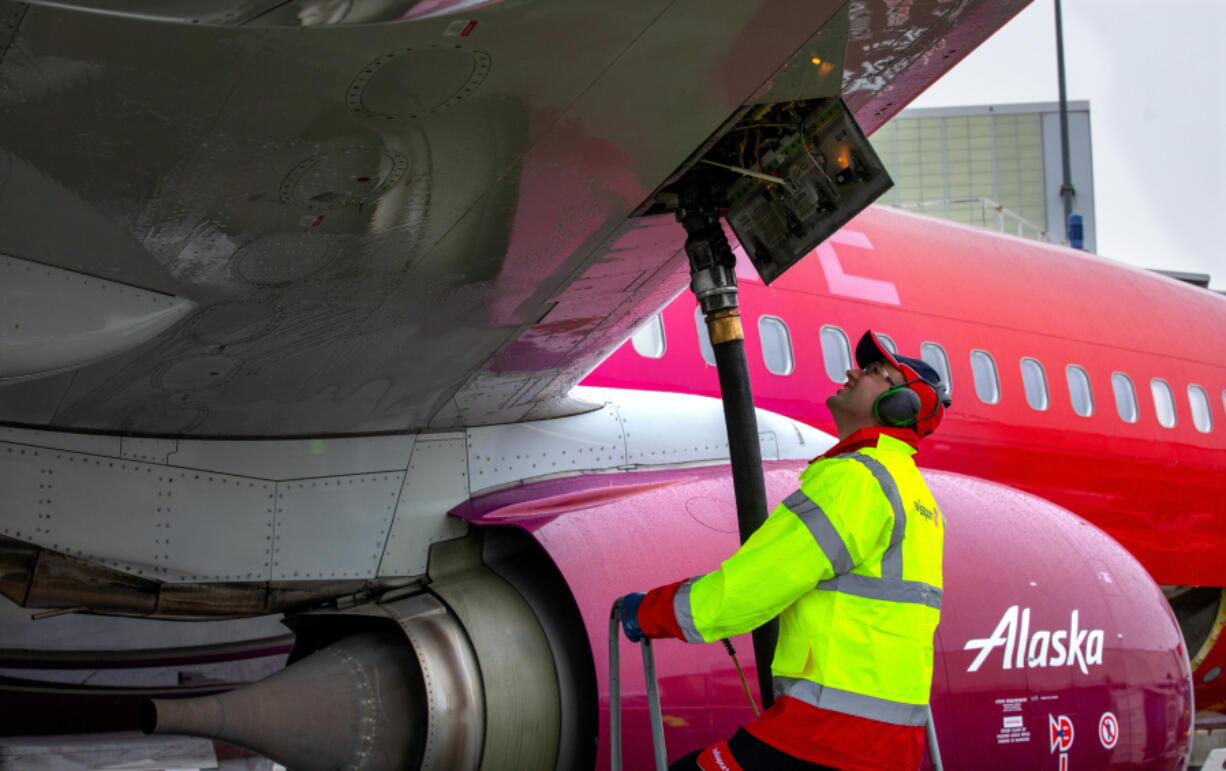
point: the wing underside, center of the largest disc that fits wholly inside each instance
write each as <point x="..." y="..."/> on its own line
<point x="406" y="223"/>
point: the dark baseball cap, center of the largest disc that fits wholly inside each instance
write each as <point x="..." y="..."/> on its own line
<point x="921" y="377"/>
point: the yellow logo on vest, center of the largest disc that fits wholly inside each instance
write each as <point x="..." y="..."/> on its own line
<point x="932" y="515"/>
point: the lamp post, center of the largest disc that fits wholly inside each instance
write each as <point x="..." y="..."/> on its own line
<point x="1066" y="187"/>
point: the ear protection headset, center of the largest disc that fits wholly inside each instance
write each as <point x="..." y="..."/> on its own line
<point x="900" y="406"/>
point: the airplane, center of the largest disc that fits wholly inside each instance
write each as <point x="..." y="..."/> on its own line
<point x="295" y="299"/>
<point x="1100" y="403"/>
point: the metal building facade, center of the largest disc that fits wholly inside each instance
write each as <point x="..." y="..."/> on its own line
<point x="995" y="166"/>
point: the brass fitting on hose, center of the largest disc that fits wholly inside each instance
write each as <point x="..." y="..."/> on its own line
<point x="725" y="325"/>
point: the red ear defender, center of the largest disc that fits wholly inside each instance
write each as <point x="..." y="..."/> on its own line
<point x="931" y="407"/>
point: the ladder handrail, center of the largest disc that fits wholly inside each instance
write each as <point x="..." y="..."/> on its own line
<point x="653" y="694"/>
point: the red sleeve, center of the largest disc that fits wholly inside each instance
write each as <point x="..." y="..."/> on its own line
<point x="656" y="616"/>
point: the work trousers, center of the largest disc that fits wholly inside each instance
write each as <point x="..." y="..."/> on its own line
<point x="748" y="752"/>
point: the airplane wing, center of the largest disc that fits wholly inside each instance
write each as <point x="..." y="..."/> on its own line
<point x="306" y="218"/>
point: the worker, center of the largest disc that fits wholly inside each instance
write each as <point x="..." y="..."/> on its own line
<point x="851" y="564"/>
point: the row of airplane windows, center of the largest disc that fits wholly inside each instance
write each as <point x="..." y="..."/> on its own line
<point x="777" y="355"/>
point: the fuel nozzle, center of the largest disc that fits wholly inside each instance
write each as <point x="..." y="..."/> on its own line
<point x="712" y="263"/>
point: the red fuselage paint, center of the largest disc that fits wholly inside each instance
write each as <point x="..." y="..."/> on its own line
<point x="1159" y="491"/>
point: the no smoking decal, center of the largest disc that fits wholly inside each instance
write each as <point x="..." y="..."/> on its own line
<point x="1108" y="730"/>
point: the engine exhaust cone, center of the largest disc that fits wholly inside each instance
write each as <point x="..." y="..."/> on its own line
<point x="354" y="704"/>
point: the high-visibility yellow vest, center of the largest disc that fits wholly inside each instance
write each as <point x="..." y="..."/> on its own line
<point x="851" y="564"/>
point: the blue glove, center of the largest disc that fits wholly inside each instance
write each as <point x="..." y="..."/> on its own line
<point x="630" y="616"/>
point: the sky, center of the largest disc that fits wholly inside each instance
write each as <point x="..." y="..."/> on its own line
<point x="1153" y="74"/>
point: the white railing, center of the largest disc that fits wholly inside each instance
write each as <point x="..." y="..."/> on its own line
<point x="1000" y="215"/>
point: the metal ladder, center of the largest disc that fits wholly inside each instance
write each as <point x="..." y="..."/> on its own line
<point x="653" y="693"/>
<point x="653" y="701"/>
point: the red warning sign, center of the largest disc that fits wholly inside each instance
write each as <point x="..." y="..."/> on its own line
<point x="1108" y="730"/>
<point x="1061" y="732"/>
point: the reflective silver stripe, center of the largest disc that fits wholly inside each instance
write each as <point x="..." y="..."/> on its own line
<point x="685" y="614"/>
<point x="889" y="589"/>
<point x="891" y="561"/>
<point x="849" y="703"/>
<point x="822" y="530"/>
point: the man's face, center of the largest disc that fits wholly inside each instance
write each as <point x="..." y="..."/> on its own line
<point x="852" y="405"/>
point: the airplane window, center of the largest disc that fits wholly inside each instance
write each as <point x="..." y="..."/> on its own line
<point x="704" y="338"/>
<point x="1202" y="418"/>
<point x="649" y="340"/>
<point x="1125" y="397"/>
<point x="836" y="353"/>
<point x="1079" y="391"/>
<point x="987" y="384"/>
<point x="888" y="343"/>
<point x="1164" y="402"/>
<point x="1035" y="381"/>
<point x="936" y="358"/>
<point x="776" y="345"/>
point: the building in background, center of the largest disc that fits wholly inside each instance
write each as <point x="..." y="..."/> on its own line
<point x="993" y="166"/>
